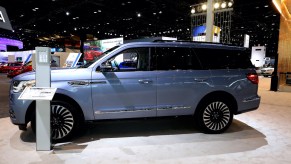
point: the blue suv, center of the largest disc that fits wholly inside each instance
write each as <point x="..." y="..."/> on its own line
<point x="208" y="81"/>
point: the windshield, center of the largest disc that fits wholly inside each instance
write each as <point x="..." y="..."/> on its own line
<point x="97" y="58"/>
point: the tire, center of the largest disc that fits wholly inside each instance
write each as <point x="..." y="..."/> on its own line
<point x="64" y="121"/>
<point x="214" y="116"/>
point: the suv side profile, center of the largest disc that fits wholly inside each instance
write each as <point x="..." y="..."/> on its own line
<point x="211" y="82"/>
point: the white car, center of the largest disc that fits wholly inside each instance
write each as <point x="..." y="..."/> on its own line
<point x="267" y="71"/>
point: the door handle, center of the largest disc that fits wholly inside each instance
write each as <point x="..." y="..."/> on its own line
<point x="200" y="79"/>
<point x="145" y="81"/>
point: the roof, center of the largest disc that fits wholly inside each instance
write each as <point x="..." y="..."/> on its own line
<point x="54" y="21"/>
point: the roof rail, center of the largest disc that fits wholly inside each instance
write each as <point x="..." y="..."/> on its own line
<point x="189" y="41"/>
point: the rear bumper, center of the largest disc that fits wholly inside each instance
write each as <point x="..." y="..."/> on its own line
<point x="249" y="104"/>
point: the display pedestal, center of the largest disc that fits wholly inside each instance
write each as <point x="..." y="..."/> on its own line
<point x="274" y="83"/>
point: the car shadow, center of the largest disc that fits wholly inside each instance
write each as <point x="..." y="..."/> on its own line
<point x="148" y="127"/>
<point x="158" y="132"/>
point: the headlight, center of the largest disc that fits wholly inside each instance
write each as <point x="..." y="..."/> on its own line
<point x="18" y="86"/>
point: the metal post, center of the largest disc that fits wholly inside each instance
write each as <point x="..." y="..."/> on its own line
<point x="209" y="21"/>
<point x="43" y="112"/>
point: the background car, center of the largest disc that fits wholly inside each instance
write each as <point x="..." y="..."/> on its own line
<point x="91" y="53"/>
<point x="19" y="70"/>
<point x="267" y="71"/>
<point x="10" y="66"/>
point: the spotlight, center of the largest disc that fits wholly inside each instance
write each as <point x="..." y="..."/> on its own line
<point x="223" y="5"/>
<point x="204" y="7"/>
<point x="193" y="11"/>
<point x="230" y="4"/>
<point x="216" y="5"/>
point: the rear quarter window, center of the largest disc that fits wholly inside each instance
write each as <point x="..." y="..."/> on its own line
<point x="175" y="58"/>
<point x="223" y="58"/>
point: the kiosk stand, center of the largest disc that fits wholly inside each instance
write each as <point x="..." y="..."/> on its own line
<point x="43" y="111"/>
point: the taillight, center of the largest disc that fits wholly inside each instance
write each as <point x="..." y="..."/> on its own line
<point x="253" y="77"/>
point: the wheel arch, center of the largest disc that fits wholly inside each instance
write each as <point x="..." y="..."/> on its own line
<point x="61" y="97"/>
<point x="222" y="95"/>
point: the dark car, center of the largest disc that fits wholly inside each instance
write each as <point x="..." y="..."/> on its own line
<point x="10" y="66"/>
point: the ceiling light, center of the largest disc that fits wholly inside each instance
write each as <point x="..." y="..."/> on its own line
<point x="223" y="5"/>
<point x="204" y="7"/>
<point x="193" y="11"/>
<point x="230" y="4"/>
<point x="138" y="15"/>
<point x="67" y="13"/>
<point x="216" y="5"/>
<point x="266" y="6"/>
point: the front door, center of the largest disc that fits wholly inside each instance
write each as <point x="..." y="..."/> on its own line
<point x="126" y="88"/>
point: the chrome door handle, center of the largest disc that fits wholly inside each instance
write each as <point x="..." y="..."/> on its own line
<point x="200" y="79"/>
<point x="145" y="81"/>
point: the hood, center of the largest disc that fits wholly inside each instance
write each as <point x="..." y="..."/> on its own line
<point x="60" y="74"/>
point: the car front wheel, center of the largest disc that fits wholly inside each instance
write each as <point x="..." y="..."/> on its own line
<point x="214" y="116"/>
<point x="64" y="121"/>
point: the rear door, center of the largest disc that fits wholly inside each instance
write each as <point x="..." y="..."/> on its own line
<point x="181" y="81"/>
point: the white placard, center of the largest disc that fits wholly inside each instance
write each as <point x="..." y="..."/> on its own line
<point x="38" y="93"/>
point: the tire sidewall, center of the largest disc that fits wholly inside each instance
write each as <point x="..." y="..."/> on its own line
<point x="200" y="112"/>
<point x="76" y="119"/>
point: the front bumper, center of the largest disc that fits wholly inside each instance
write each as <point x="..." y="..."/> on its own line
<point x="18" y="109"/>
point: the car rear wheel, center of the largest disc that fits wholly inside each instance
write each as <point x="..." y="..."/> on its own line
<point x="64" y="121"/>
<point x="214" y="116"/>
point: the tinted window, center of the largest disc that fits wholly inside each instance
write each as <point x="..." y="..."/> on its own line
<point x="223" y="58"/>
<point x="173" y="58"/>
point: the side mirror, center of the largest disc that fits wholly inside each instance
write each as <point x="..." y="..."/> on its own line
<point x="105" y="66"/>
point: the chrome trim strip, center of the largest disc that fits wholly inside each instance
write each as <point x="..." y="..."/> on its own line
<point x="98" y="82"/>
<point x="125" y="110"/>
<point x="174" y="107"/>
<point x="251" y="99"/>
<point x="145" y="109"/>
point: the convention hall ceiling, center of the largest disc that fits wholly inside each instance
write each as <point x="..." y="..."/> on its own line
<point x="45" y="22"/>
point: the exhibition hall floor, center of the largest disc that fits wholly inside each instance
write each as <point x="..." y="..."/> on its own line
<point x="261" y="136"/>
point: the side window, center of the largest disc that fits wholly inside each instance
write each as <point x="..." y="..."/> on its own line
<point x="175" y="58"/>
<point x="222" y="58"/>
<point x="134" y="59"/>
